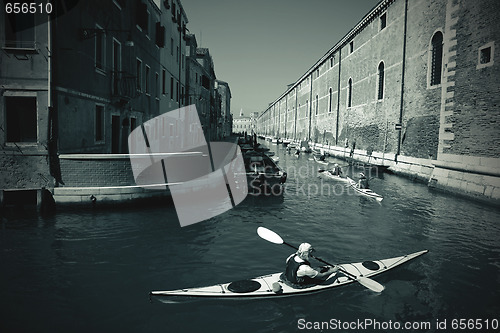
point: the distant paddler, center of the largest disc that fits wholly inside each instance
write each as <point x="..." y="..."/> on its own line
<point x="363" y="181"/>
<point x="336" y="171"/>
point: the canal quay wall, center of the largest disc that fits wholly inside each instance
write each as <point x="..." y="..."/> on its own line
<point x="414" y="86"/>
<point x="96" y="179"/>
<point x="86" y="180"/>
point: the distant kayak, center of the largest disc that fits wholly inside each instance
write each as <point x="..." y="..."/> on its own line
<point x="364" y="191"/>
<point x="272" y="285"/>
<point x="329" y="175"/>
<point x="318" y="160"/>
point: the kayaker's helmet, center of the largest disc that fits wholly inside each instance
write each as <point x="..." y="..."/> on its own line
<point x="361" y="174"/>
<point x="305" y="248"/>
<point x="335" y="165"/>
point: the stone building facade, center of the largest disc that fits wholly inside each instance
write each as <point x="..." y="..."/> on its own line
<point x="415" y="84"/>
<point x="225" y="121"/>
<point x="75" y="81"/>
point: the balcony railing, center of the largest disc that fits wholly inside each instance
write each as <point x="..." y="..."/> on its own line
<point x="124" y="85"/>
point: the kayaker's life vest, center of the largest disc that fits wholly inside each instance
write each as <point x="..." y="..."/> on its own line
<point x="363" y="183"/>
<point x="292" y="267"/>
<point x="336" y="171"/>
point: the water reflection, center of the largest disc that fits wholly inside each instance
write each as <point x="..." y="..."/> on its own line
<point x="93" y="269"/>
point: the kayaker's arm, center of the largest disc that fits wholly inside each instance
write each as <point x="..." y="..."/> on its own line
<point x="325" y="274"/>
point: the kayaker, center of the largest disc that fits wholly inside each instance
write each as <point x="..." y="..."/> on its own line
<point x="299" y="271"/>
<point x="363" y="181"/>
<point x="336" y="171"/>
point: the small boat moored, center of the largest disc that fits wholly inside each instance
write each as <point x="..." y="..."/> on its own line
<point x="264" y="176"/>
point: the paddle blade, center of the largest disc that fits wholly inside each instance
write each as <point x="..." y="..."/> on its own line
<point x="321" y="170"/>
<point x="370" y="284"/>
<point x="269" y="235"/>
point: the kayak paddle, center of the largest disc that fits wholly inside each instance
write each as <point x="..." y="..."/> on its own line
<point x="273" y="237"/>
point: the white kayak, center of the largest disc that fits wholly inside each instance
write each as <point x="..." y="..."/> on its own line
<point x="318" y="160"/>
<point x="364" y="191"/>
<point x="273" y="286"/>
<point x="329" y="175"/>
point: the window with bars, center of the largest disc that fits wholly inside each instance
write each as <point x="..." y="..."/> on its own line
<point x="380" y="89"/>
<point x="485" y="55"/>
<point x="349" y="93"/>
<point x="436" y="58"/>
<point x="330" y="100"/>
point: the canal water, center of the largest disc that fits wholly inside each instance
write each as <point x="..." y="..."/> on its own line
<point x="92" y="270"/>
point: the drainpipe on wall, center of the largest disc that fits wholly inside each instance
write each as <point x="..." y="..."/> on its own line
<point x="52" y="128"/>
<point x="286" y="113"/>
<point x="402" y="82"/>
<point x="279" y="119"/>
<point x="295" y="122"/>
<point x="338" y="101"/>
<point x="310" y="106"/>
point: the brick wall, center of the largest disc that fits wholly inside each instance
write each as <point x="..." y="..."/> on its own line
<point x="476" y="117"/>
<point x="91" y="172"/>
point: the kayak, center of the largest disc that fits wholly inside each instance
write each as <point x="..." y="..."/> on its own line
<point x="364" y="191"/>
<point x="272" y="285"/>
<point x="320" y="161"/>
<point x="329" y="175"/>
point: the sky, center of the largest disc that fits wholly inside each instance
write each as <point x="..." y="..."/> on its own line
<point x="260" y="46"/>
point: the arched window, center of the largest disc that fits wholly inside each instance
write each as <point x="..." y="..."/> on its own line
<point x="349" y="93"/>
<point x="380" y="90"/>
<point x="436" y="58"/>
<point x="330" y="100"/>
